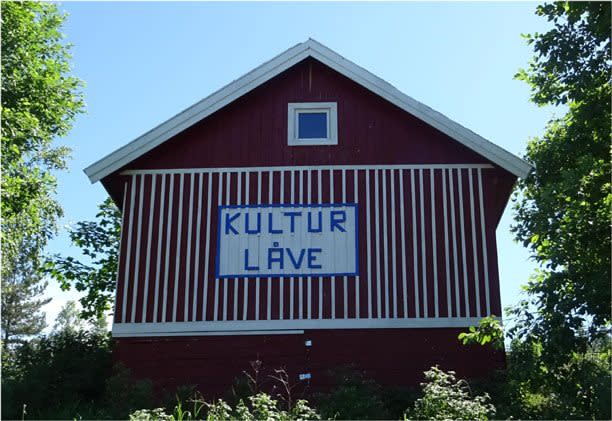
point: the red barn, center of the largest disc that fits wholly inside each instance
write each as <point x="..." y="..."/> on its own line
<point x="311" y="215"/>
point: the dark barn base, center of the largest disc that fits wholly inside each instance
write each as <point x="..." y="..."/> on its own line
<point x="392" y="357"/>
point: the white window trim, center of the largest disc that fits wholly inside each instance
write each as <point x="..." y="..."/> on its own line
<point x="295" y="108"/>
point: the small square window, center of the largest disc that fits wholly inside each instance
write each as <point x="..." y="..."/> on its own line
<point x="312" y="123"/>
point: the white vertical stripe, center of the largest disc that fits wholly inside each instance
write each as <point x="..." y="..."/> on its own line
<point x="423" y="250"/>
<point x="138" y="247"/>
<point x="301" y="286"/>
<point x="126" y="276"/>
<point x="245" y="303"/>
<point x="357" y="283"/>
<point x="188" y="257"/>
<point x="474" y="246"/>
<point x="292" y="279"/>
<point x="385" y="242"/>
<point x="309" y="296"/>
<point x="377" y="216"/>
<point x="167" y="262"/>
<point x="270" y="200"/>
<point x="345" y="284"/>
<point x="216" y="296"/>
<point x="403" y="237"/>
<point x="225" y="281"/>
<point x="257" y="283"/>
<point x="454" y="231"/>
<point x="485" y="260"/>
<point x="207" y="250"/>
<point x="281" y="287"/>
<point x="449" y="307"/>
<point x="461" y="220"/>
<point x="119" y="254"/>
<point x="148" y="258"/>
<point x="238" y="202"/>
<point x="333" y="278"/>
<point x="393" y="243"/>
<point x="434" y="246"/>
<point x="178" y="247"/>
<point x="196" y="275"/>
<point x="369" y="241"/>
<point x="415" y="270"/>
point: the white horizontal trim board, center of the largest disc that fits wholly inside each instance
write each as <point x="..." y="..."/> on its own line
<point x="305" y="168"/>
<point x="267" y="327"/>
<point x="277" y="65"/>
<point x="217" y="333"/>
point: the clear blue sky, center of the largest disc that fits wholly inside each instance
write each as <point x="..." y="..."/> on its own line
<point x="144" y="62"/>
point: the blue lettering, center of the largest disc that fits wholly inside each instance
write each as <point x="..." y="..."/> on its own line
<point x="246" y="261"/>
<point x="228" y="223"/>
<point x="310" y="227"/>
<point x="296" y="263"/>
<point x="292" y="216"/>
<point x="246" y="223"/>
<point x="337" y="217"/>
<point x="271" y="229"/>
<point x="275" y="259"/>
<point x="312" y="258"/>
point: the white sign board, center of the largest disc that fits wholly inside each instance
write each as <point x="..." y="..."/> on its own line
<point x="287" y="240"/>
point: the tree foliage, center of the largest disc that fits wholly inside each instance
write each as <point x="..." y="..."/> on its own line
<point x="99" y="243"/>
<point x="39" y="103"/>
<point x="563" y="208"/>
<point x="22" y="290"/>
<point x="489" y="331"/>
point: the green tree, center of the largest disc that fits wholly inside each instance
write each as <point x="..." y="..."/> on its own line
<point x="95" y="275"/>
<point x="68" y="319"/>
<point x="22" y="290"/>
<point x="563" y="208"/>
<point x="40" y="101"/>
<point x="559" y="357"/>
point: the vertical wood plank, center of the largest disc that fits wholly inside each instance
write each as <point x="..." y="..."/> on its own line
<point x="474" y="245"/>
<point x="485" y="260"/>
<point x="196" y="275"/>
<point x="145" y="300"/>
<point x="415" y="263"/>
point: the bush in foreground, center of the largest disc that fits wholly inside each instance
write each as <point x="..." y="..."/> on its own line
<point x="446" y="398"/>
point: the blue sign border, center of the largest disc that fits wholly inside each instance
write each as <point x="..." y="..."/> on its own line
<point x="287" y="205"/>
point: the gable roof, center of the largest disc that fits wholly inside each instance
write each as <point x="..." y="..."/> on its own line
<point x="275" y="66"/>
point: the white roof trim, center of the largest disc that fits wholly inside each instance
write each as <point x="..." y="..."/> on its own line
<point x="278" y="64"/>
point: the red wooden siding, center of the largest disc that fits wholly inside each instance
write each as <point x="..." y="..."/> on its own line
<point x="393" y="357"/>
<point x="426" y="248"/>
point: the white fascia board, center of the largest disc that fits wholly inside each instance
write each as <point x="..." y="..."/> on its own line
<point x="262" y="327"/>
<point x="280" y="63"/>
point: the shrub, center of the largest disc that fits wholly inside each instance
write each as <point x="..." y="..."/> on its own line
<point x="261" y="407"/>
<point x="445" y="397"/>
<point x="355" y="397"/>
<point x="58" y="376"/>
<point x="124" y="394"/>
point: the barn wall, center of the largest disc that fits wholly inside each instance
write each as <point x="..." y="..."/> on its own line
<point x="391" y="357"/>
<point x="426" y="255"/>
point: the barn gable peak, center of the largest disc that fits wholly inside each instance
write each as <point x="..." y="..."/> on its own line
<point x="268" y="70"/>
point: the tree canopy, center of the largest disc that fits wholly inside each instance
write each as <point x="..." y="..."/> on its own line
<point x="563" y="208"/>
<point x="40" y="100"/>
